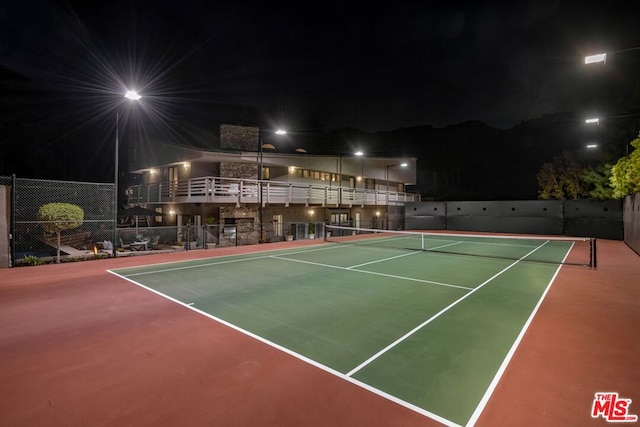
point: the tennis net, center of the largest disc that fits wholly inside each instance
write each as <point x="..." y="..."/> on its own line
<point x="557" y="250"/>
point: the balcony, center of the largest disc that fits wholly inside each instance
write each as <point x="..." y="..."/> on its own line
<point x="246" y="191"/>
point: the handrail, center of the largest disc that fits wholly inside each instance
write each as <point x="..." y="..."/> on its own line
<point x="211" y="189"/>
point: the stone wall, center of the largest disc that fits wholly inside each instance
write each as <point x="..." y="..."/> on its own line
<point x="245" y="218"/>
<point x="246" y="226"/>
<point x="239" y="137"/>
<point x="239" y="170"/>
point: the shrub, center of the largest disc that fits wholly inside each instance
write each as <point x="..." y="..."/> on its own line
<point x="32" y="260"/>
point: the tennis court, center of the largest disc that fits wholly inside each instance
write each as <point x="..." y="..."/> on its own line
<point x="429" y="322"/>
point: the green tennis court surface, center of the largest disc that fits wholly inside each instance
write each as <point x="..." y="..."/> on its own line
<point x="428" y="330"/>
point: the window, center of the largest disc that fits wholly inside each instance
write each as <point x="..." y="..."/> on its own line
<point x="339" y="219"/>
<point x="277" y="225"/>
<point x="369" y="184"/>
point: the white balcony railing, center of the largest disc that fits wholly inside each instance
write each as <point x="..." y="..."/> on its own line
<point x="246" y="191"/>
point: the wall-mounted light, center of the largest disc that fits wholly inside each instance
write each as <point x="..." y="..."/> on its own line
<point x="358" y="178"/>
<point x="311" y="211"/>
<point x="153" y="171"/>
<point x="292" y="169"/>
<point x="186" y="165"/>
<point x="172" y="212"/>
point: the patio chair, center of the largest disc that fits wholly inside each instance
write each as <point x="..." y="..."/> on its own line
<point x="153" y="243"/>
<point x="123" y="245"/>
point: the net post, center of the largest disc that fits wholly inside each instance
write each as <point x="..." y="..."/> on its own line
<point x="594" y="253"/>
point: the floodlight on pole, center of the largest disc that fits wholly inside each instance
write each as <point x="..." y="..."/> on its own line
<point x="402" y="165"/>
<point x="261" y="148"/>
<point x="602" y="57"/>
<point x="133" y="96"/>
<point x="592" y="59"/>
<point x="593" y="120"/>
<point x="592" y="146"/>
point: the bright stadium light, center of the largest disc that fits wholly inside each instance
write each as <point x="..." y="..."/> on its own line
<point x="592" y="145"/>
<point x="261" y="147"/>
<point x="592" y="59"/>
<point x="593" y="120"/>
<point x="132" y="95"/>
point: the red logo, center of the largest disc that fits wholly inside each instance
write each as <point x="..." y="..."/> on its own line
<point x="612" y="408"/>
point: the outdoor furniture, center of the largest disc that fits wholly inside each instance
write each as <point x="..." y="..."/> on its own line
<point x="153" y="243"/>
<point x="123" y="245"/>
<point x="139" y="246"/>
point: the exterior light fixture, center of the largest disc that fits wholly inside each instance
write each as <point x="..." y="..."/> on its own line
<point x="402" y="165"/>
<point x="132" y="95"/>
<point x="592" y="121"/>
<point x="591" y="59"/>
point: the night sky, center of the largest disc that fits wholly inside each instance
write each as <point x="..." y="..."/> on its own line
<point x="302" y="65"/>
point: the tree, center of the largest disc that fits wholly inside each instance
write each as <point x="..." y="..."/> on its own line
<point x="598" y="180"/>
<point x="625" y="174"/>
<point x="55" y="217"/>
<point x="561" y="178"/>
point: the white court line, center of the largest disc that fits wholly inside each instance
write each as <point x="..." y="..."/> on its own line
<point x="372" y="272"/>
<point x="512" y="350"/>
<point x="209" y="264"/>
<point x="299" y="356"/>
<point x="381" y="260"/>
<point x="435" y="316"/>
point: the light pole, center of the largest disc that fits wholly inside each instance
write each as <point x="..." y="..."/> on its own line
<point x="596" y="121"/>
<point x="133" y="96"/>
<point x="602" y="57"/>
<point x="261" y="147"/>
<point x="402" y="165"/>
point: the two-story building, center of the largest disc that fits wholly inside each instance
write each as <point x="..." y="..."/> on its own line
<point x="254" y="193"/>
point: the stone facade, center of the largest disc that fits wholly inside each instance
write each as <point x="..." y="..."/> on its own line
<point x="239" y="137"/>
<point x="239" y="170"/>
<point x="246" y="219"/>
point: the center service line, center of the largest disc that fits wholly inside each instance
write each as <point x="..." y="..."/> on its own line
<point x="435" y="316"/>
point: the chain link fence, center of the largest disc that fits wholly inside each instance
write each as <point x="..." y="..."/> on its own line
<point x="33" y="236"/>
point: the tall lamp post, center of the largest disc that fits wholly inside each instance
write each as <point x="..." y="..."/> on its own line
<point x="596" y="121"/>
<point x="403" y="165"/>
<point x="133" y="96"/>
<point x="261" y="148"/>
